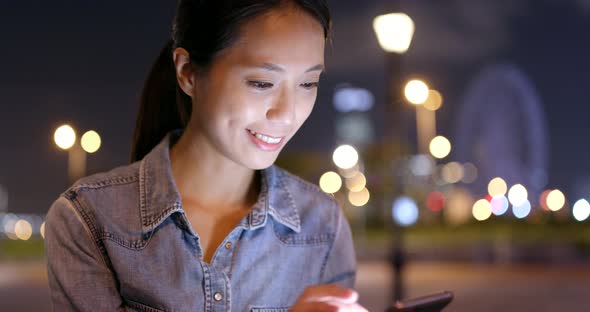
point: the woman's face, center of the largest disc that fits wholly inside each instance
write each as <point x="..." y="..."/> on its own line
<point x="259" y="91"/>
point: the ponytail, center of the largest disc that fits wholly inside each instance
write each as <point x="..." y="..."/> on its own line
<point x="163" y="105"/>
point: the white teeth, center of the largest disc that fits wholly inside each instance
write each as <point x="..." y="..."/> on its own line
<point x="265" y="138"/>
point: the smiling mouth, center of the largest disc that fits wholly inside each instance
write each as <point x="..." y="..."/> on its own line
<point x="266" y="138"/>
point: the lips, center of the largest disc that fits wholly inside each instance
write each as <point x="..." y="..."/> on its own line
<point x="264" y="141"/>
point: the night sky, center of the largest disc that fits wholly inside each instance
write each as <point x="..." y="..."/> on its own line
<point x="84" y="62"/>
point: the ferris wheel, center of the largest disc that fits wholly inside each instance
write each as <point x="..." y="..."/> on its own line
<point x="501" y="128"/>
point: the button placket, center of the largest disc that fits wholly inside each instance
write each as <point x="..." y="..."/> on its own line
<point x="220" y="295"/>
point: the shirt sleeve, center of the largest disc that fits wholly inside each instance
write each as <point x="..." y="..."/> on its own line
<point x="340" y="266"/>
<point x="79" y="278"/>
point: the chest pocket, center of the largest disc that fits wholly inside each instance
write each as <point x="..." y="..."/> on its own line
<point x="261" y="309"/>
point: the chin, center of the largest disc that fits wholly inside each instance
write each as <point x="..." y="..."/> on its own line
<point x="259" y="163"/>
<point x="262" y="165"/>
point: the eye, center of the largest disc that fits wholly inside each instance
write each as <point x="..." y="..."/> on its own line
<point x="261" y="85"/>
<point x="310" y="85"/>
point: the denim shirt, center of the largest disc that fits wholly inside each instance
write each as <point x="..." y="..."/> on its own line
<point x="121" y="241"/>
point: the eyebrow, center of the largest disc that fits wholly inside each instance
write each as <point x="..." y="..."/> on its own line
<point x="277" y="68"/>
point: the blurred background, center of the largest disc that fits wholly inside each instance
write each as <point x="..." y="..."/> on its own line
<point x="451" y="132"/>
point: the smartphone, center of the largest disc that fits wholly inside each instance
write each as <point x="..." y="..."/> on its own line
<point x="430" y="303"/>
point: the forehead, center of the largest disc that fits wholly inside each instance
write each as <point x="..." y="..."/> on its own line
<point x="284" y="36"/>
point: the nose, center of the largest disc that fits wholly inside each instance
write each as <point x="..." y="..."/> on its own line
<point x="282" y="110"/>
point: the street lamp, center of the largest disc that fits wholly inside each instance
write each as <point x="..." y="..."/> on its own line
<point x="394" y="32"/>
<point x="65" y="138"/>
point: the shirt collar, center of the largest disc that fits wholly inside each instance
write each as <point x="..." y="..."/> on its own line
<point x="159" y="196"/>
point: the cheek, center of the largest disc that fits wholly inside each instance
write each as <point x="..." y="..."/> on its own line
<point x="304" y="110"/>
<point x="250" y="105"/>
<point x="241" y="110"/>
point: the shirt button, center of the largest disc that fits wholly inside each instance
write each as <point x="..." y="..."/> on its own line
<point x="228" y="245"/>
<point x="218" y="296"/>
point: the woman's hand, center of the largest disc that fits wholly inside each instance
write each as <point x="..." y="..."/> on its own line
<point x="328" y="298"/>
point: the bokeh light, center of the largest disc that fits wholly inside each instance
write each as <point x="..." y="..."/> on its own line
<point x="499" y="205"/>
<point x="452" y="172"/>
<point x="497" y="187"/>
<point x="581" y="210"/>
<point x="8" y="222"/>
<point x="359" y="198"/>
<point x="555" y="200"/>
<point x="437" y="176"/>
<point x="405" y="211"/>
<point x="422" y="165"/>
<point x="440" y="147"/>
<point x="64" y="137"/>
<point x="42" y="230"/>
<point x="90" y="141"/>
<point x="517" y="195"/>
<point x="482" y="210"/>
<point x="459" y="204"/>
<point x="356" y="183"/>
<point x="543" y="199"/>
<point x="522" y="210"/>
<point x="435" y="201"/>
<point x="416" y="91"/>
<point x="11" y="235"/>
<point x="350" y="172"/>
<point x="348" y="99"/>
<point x="330" y="182"/>
<point x="394" y="31"/>
<point x="345" y="157"/>
<point x="469" y="173"/>
<point x="23" y="229"/>
<point x="434" y="100"/>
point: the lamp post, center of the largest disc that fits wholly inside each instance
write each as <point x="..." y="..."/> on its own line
<point x="427" y="102"/>
<point x="394" y="32"/>
<point x="65" y="138"/>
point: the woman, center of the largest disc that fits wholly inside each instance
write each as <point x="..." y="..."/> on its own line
<point x="202" y="220"/>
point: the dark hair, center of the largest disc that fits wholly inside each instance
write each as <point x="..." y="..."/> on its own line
<point x="203" y="28"/>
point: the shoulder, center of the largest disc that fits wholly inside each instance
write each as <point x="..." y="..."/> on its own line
<point x="118" y="176"/>
<point x="106" y="199"/>
<point x="107" y="190"/>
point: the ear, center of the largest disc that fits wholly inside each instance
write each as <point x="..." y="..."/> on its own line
<point x="185" y="74"/>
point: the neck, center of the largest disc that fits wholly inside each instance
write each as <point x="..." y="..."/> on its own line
<point x="208" y="180"/>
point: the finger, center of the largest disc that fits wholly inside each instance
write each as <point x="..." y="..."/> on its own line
<point x="343" y="307"/>
<point x="330" y="292"/>
<point x="351" y="299"/>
